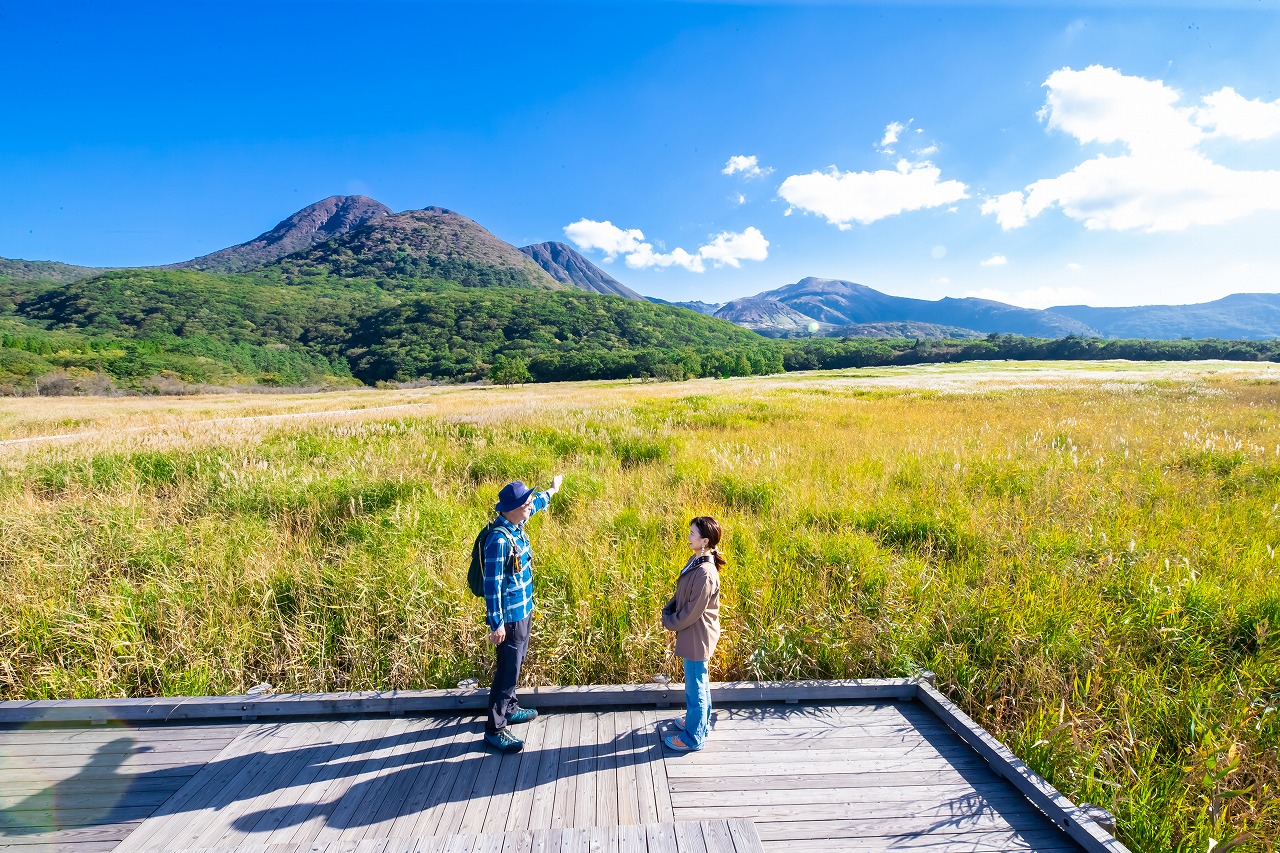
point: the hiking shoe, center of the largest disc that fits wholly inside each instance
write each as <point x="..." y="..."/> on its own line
<point x="521" y="715"/>
<point x="503" y="741"/>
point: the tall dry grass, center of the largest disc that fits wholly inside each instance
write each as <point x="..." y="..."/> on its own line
<point x="1086" y="559"/>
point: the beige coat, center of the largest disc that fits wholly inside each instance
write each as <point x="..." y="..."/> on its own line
<point x="694" y="612"/>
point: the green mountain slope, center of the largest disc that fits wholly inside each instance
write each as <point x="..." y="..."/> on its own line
<point x="300" y="326"/>
<point x="18" y="271"/>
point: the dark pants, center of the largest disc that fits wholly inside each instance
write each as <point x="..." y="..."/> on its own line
<point x="502" y="695"/>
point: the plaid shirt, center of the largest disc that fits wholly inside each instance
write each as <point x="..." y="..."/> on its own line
<point x="509" y="597"/>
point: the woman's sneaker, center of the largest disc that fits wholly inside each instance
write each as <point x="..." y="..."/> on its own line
<point x="503" y="741"/>
<point x="521" y="715"/>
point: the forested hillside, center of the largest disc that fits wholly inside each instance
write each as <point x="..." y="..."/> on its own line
<point x="159" y="329"/>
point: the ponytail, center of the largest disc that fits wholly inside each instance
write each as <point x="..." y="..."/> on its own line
<point x="710" y="530"/>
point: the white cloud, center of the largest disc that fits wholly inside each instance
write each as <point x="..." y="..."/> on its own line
<point x="995" y="261"/>
<point x="1161" y="181"/>
<point x="927" y="151"/>
<point x="938" y="252"/>
<point x="1073" y="266"/>
<point x="865" y="197"/>
<point x="605" y="236"/>
<point x="1040" y="297"/>
<point x="728" y="249"/>
<point x="725" y="249"/>
<point x="748" y="165"/>
<point x="740" y="198"/>
<point x="892" y="131"/>
<point x="1228" y="113"/>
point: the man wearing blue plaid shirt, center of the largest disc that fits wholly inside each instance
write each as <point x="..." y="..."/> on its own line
<point x="508" y="602"/>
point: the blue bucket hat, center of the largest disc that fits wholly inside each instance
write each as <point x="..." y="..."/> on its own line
<point x="513" y="495"/>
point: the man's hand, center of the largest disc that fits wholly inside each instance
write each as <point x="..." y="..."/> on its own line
<point x="555" y="483"/>
<point x="499" y="635"/>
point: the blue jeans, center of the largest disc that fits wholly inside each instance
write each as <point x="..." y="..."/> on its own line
<point x="697" y="699"/>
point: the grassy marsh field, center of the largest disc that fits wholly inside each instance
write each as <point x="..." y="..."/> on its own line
<point x="1085" y="554"/>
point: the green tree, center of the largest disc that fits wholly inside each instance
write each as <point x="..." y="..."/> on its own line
<point x="509" y="371"/>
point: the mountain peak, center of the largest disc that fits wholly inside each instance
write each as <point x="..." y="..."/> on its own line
<point x="315" y="223"/>
<point x="432" y="242"/>
<point x="566" y="265"/>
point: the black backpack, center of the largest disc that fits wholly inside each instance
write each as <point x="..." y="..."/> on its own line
<point x="475" y="574"/>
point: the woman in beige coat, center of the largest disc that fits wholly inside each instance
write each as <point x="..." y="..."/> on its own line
<point x="694" y="615"/>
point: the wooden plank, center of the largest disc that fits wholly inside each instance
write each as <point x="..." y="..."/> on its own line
<point x="257" y="811"/>
<point x="349" y="800"/>
<point x="866" y="800"/>
<point x="945" y="776"/>
<point x="517" y="769"/>
<point x="471" y="819"/>
<point x="716" y="837"/>
<point x="422" y="814"/>
<point x="658" y="769"/>
<point x="548" y="841"/>
<point x="727" y="740"/>
<point x="385" y="792"/>
<point x="206" y="782"/>
<point x="745" y="837"/>
<point x="69" y="797"/>
<point x="978" y="842"/>
<point x="604" y="840"/>
<point x="544" y="790"/>
<point x="772" y="823"/>
<point x="130" y="758"/>
<point x="689" y="837"/>
<point x="1049" y="799"/>
<point x="319" y="792"/>
<point x="106" y="738"/>
<point x="426" y="747"/>
<point x="625" y="769"/>
<point x="94" y="773"/>
<point x="566" y="792"/>
<point x="632" y="837"/>
<point x="661" y="836"/>
<point x="799" y="766"/>
<point x="35" y="821"/>
<point x="584" y="770"/>
<point x="79" y="847"/>
<point x="575" y="840"/>
<point x="167" y="781"/>
<point x="434" y="775"/>
<point x="464" y="781"/>
<point x="726" y="756"/>
<point x="73" y="838"/>
<point x="644" y="751"/>
<point x="516" y="842"/>
<point x="172" y="709"/>
<point x="309" y="785"/>
<point x="517" y="804"/>
<point x="251" y="772"/>
<point x="606" y="770"/>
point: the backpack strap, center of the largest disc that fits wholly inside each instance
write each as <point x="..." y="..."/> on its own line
<point x="512" y="557"/>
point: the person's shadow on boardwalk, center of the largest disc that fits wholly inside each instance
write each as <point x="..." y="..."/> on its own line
<point x="37" y="813"/>
<point x="454" y="748"/>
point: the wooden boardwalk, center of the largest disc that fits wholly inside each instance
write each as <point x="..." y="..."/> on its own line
<point x="871" y="775"/>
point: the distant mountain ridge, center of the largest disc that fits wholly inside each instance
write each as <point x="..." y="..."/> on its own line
<point x="836" y="303"/>
<point x="770" y="317"/>
<point x="358" y="237"/>
<point x="567" y="266"/>
<point x="1240" y="316"/>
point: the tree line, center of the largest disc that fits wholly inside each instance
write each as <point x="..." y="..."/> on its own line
<point x="140" y="330"/>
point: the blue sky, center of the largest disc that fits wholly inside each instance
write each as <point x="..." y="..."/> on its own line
<point x="1110" y="154"/>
